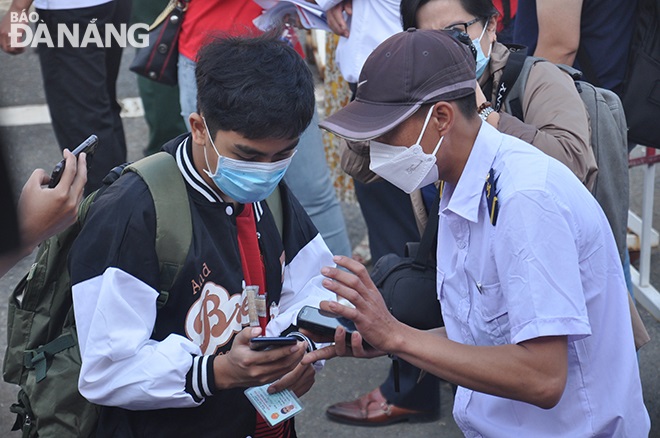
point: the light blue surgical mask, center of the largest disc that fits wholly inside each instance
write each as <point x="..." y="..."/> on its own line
<point x="245" y="181"/>
<point x="482" y="59"/>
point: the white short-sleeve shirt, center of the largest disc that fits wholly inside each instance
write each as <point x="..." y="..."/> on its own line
<point x="548" y="267"/>
<point x="372" y="22"/>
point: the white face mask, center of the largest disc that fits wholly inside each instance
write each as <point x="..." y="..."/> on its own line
<point x="408" y="168"/>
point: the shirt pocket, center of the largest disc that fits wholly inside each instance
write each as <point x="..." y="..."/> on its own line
<point x="439" y="280"/>
<point x="443" y="296"/>
<point x="494" y="313"/>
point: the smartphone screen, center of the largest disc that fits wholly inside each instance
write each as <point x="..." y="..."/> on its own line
<point x="260" y="343"/>
<point x="88" y="147"/>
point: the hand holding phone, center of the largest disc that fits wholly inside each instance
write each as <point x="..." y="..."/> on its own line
<point x="324" y="323"/>
<point x="88" y="147"/>
<point x="261" y="343"/>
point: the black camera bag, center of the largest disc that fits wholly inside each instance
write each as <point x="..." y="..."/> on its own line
<point x="408" y="284"/>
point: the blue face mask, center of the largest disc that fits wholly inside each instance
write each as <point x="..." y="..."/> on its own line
<point x="482" y="59"/>
<point x="245" y="181"/>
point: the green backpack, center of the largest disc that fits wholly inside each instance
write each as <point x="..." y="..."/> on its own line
<point x="42" y="354"/>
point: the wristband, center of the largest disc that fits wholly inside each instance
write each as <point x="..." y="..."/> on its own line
<point x="484" y="113"/>
<point x="483" y="106"/>
<point x="311" y="346"/>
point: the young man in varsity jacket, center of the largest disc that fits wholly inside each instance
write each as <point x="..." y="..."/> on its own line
<point x="181" y="370"/>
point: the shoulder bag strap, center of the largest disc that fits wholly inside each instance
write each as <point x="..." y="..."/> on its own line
<point x="426" y="245"/>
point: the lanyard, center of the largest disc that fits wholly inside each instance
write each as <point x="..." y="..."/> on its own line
<point x="251" y="259"/>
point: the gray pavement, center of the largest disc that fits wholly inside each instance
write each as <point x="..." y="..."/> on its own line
<point x="33" y="146"/>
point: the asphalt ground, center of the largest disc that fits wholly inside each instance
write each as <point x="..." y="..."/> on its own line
<point x="33" y="145"/>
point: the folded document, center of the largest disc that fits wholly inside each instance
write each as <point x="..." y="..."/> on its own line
<point x="310" y="14"/>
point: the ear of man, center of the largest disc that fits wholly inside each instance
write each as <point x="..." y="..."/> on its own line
<point x="197" y="128"/>
<point x="443" y="118"/>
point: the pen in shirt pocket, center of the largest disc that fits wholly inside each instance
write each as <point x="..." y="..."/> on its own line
<point x="476" y="283"/>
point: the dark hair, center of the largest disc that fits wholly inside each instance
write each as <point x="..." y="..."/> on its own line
<point x="257" y="86"/>
<point x="467" y="105"/>
<point x="483" y="9"/>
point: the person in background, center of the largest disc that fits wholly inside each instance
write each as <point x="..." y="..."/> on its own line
<point x="162" y="110"/>
<point x="361" y="26"/>
<point x="41" y="211"/>
<point x="506" y="17"/>
<point x="537" y="335"/>
<point x="555" y="120"/>
<point x="80" y="82"/>
<point x="593" y="36"/>
<point x="336" y="94"/>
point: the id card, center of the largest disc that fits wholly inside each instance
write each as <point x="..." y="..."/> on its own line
<point x="275" y="408"/>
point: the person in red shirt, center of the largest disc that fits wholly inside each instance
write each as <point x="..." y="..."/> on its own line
<point x="507" y="13"/>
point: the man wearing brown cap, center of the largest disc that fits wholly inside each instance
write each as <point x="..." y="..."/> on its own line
<point x="537" y="333"/>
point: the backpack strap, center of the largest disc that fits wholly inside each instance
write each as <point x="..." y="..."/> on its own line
<point x="512" y="69"/>
<point x="173" y="220"/>
<point x="274" y="202"/>
<point x="513" y="101"/>
<point x="574" y="73"/>
<point x="37" y="359"/>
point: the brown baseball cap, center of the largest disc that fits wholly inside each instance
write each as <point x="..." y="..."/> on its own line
<point x="404" y="72"/>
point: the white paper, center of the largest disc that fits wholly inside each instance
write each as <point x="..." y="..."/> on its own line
<point x="310" y="14"/>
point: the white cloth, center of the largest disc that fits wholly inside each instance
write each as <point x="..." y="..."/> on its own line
<point x="67" y="4"/>
<point x="548" y="267"/>
<point x="118" y="353"/>
<point x="372" y="22"/>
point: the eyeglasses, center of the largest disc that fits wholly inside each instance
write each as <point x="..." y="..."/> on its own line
<point x="461" y="27"/>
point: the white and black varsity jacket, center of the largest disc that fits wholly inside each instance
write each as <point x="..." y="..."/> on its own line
<point x="152" y="370"/>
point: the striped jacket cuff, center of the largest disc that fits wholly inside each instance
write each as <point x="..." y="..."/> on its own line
<point x="200" y="380"/>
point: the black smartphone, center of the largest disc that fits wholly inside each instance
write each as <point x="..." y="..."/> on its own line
<point x="88" y="147"/>
<point x="260" y="343"/>
<point x="324" y="323"/>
